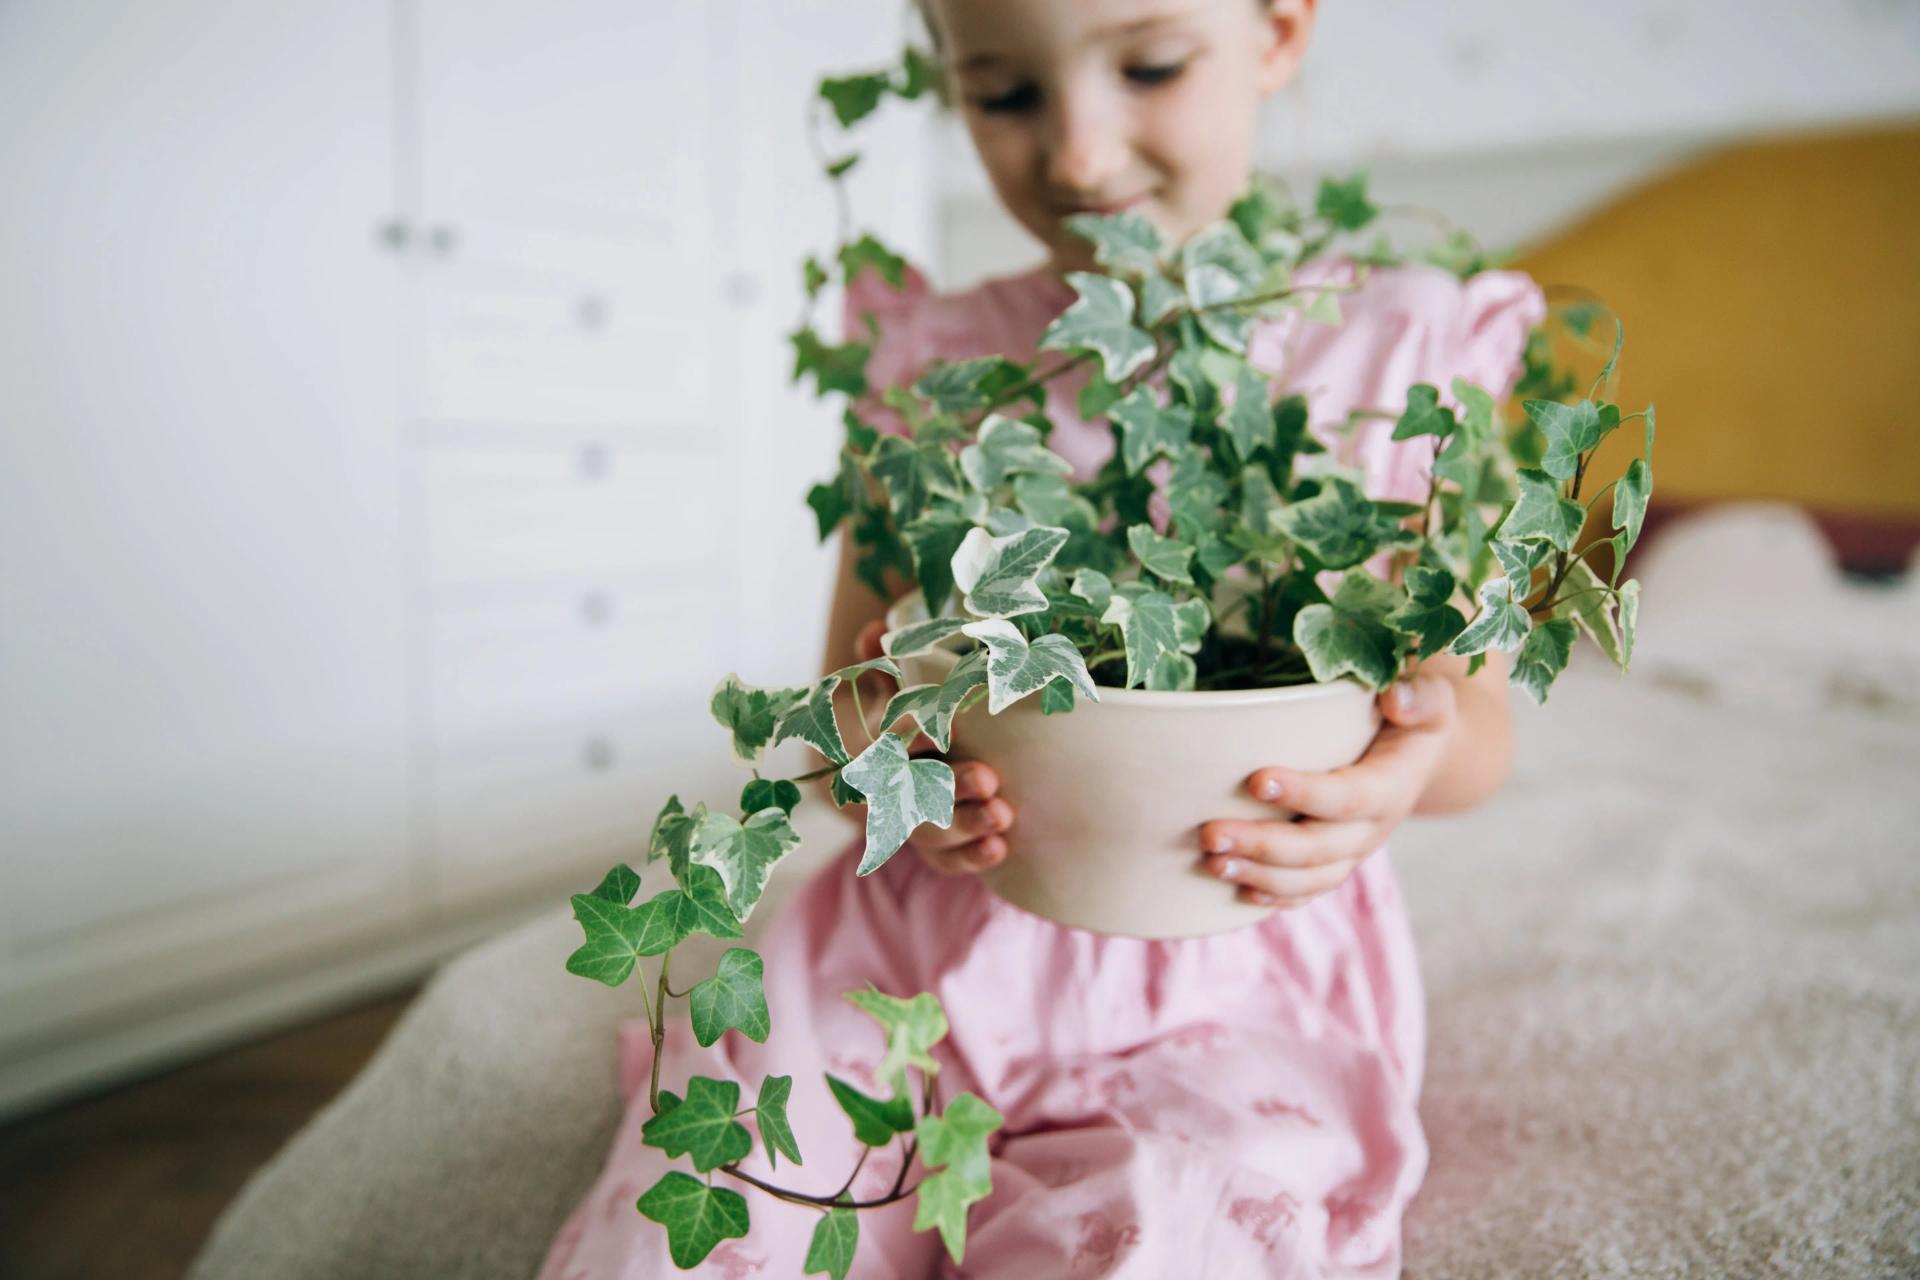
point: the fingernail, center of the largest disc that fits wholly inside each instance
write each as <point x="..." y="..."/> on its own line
<point x="1270" y="789"/>
<point x="1220" y="844"/>
<point x="1227" y="868"/>
<point x="1404" y="691"/>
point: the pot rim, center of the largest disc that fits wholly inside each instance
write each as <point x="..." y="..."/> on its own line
<point x="1173" y="699"/>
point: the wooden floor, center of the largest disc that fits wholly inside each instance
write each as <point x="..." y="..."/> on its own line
<point x="126" y="1185"/>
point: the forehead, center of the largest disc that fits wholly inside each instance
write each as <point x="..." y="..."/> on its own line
<point x="979" y="33"/>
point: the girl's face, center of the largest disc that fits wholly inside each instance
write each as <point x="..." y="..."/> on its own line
<point x="1103" y="105"/>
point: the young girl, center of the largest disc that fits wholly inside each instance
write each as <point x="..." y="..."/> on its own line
<point x="1236" y="1105"/>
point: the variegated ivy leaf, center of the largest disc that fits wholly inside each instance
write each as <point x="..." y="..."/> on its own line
<point x="1220" y="267"/>
<point x="1520" y="561"/>
<point x="1542" y="513"/>
<point x="933" y="706"/>
<point x="1124" y="243"/>
<point x="1100" y="321"/>
<point x="997" y="575"/>
<point x="1249" y="420"/>
<point x="958" y="386"/>
<point x="672" y="833"/>
<point x="1570" y="430"/>
<point x="1047" y="499"/>
<point x="1007" y="447"/>
<point x="812" y="721"/>
<point x="1159" y="296"/>
<point x="1349" y="635"/>
<point x="1094" y="587"/>
<point x="1629" y="617"/>
<point x="913" y="474"/>
<point x="1588" y="602"/>
<point x="1630" y="496"/>
<point x="919" y="637"/>
<point x="913" y="1027"/>
<point x="1148" y="428"/>
<point x="750" y="714"/>
<point x="1425" y="415"/>
<point x="1016" y="668"/>
<point x="743" y="853"/>
<point x="1429" y="612"/>
<point x="1173" y="673"/>
<point x="1543" y="657"/>
<point x="901" y="793"/>
<point x="1503" y="624"/>
<point x="1152" y="625"/>
<point x="1338" y="526"/>
<point x="1165" y="558"/>
<point x="1196" y="494"/>
<point x="933" y="538"/>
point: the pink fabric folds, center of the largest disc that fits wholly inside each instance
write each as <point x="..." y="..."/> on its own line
<point x="1236" y="1106"/>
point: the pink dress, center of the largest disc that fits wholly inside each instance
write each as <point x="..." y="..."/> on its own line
<point x="1243" y="1105"/>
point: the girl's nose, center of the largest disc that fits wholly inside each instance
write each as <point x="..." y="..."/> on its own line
<point x="1088" y="147"/>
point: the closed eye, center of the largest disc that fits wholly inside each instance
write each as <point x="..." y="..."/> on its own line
<point x="1155" y="75"/>
<point x="1021" y="97"/>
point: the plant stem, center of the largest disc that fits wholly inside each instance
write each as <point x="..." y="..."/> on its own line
<point x="899" y="1192"/>
<point x="1266" y="620"/>
<point x="659" y="1029"/>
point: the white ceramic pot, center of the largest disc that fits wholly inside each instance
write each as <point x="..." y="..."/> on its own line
<point x="1108" y="798"/>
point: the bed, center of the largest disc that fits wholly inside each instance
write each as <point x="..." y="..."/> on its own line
<point x="1680" y="1036"/>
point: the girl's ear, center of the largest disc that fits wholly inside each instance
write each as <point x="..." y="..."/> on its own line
<point x="1288" y="25"/>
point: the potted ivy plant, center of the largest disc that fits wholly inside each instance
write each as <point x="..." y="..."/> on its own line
<point x="1070" y="630"/>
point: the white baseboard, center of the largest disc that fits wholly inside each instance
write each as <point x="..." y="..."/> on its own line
<point x="298" y="990"/>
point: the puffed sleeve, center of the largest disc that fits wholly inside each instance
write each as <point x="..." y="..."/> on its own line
<point x="889" y="318"/>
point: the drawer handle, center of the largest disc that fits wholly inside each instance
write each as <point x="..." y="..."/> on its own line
<point x="597" y="755"/>
<point x="596" y="608"/>
<point x="595" y="461"/>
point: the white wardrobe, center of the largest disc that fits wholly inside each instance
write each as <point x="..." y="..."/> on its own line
<point x="395" y="448"/>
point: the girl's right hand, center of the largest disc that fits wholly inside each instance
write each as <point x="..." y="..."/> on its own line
<point x="974" y="842"/>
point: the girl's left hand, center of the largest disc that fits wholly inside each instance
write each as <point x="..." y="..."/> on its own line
<point x="1342" y="815"/>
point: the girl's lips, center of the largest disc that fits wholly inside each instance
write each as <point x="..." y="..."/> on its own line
<point x="1116" y="207"/>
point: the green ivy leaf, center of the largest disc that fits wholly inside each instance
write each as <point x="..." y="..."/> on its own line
<point x="698" y="906"/>
<point x="1428" y="612"/>
<point x="1570" y="430"/>
<point x="1056" y="698"/>
<point x="701" y="1127"/>
<point x="998" y="575"/>
<point x="1152" y="625"/>
<point x="875" y="1122"/>
<point x="732" y="998"/>
<point x="933" y="538"/>
<point x="621" y="882"/>
<point x="770" y="1117"/>
<point x="963" y="386"/>
<point x="1349" y="635"/>
<point x="1016" y="668"/>
<point x="913" y="1027"/>
<point x="843" y="792"/>
<point x="1542" y="513"/>
<point x="612" y="943"/>
<point x="743" y="853"/>
<point x="749" y="714"/>
<point x="834" y="1241"/>
<point x="901" y="794"/>
<point x="841" y="368"/>
<point x="1165" y="558"/>
<point x="956" y="1140"/>
<point x="1345" y="203"/>
<point x="854" y="98"/>
<point x="766" y="793"/>
<point x="1502" y="623"/>
<point x="933" y="706"/>
<point x="1425" y="416"/>
<point x="1148" y="428"/>
<point x="1097" y="397"/>
<point x="1100" y="321"/>
<point x="697" y="1217"/>
<point x="914" y="474"/>
<point x="1543" y="657"/>
<point x="1338" y="526"/>
<point x="869" y="252"/>
<point x="1630" y="500"/>
<point x="1006" y="447"/>
<point x="1124" y="243"/>
<point x="943" y="1201"/>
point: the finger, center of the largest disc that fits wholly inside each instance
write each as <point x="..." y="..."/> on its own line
<point x="1286" y="886"/>
<point x="1420" y="702"/>
<point x="966" y="859"/>
<point x="971" y="820"/>
<point x="973" y="780"/>
<point x="1310" y="843"/>
<point x="1360" y="790"/>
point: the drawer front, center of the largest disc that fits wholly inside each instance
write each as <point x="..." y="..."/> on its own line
<point x="566" y="652"/>
<point x="515" y="810"/>
<point x="596" y="508"/>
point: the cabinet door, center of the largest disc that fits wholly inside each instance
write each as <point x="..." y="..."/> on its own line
<point x="202" y="612"/>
